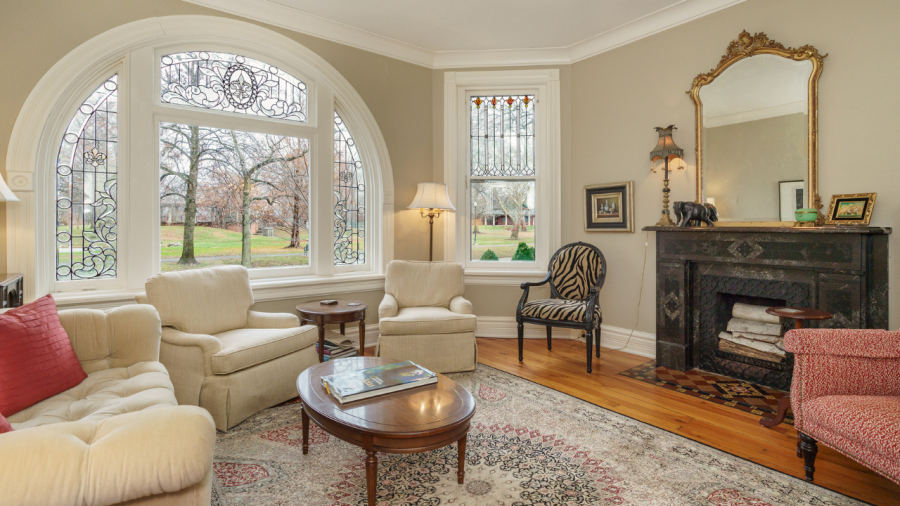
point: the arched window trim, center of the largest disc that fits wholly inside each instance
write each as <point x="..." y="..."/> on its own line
<point x="46" y="112"/>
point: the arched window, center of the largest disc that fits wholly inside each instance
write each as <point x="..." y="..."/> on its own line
<point x="349" y="198"/>
<point x="191" y="154"/>
<point x="86" y="172"/>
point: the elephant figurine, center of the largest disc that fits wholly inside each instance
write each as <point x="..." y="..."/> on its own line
<point x="691" y="214"/>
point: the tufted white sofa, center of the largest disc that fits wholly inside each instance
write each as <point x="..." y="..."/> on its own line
<point x="117" y="437"/>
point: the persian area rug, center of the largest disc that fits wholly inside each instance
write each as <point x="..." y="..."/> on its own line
<point x="528" y="445"/>
<point x="734" y="393"/>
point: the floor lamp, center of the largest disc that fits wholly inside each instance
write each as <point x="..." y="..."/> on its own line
<point x="431" y="200"/>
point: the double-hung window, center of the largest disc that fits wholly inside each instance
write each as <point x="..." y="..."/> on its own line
<point x="502" y="166"/>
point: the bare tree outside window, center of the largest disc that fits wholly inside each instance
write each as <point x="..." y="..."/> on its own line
<point x="232" y="197"/>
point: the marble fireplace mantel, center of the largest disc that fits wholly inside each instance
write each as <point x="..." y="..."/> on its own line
<point x="700" y="271"/>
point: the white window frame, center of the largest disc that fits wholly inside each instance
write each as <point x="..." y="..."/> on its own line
<point x="131" y="51"/>
<point x="458" y="88"/>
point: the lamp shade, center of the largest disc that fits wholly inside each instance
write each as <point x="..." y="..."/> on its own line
<point x="431" y="196"/>
<point x="666" y="147"/>
<point x="6" y="195"/>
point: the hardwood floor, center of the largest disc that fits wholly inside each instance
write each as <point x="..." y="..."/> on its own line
<point x="721" y="427"/>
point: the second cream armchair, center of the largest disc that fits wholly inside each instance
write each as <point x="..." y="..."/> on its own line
<point x="221" y="355"/>
<point x="424" y="317"/>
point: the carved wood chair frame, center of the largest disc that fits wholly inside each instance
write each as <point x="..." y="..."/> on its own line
<point x="593" y="302"/>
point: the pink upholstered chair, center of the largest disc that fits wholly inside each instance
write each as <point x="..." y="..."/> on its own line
<point x="846" y="394"/>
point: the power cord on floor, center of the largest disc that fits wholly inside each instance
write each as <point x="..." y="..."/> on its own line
<point x="581" y="336"/>
<point x="640" y="294"/>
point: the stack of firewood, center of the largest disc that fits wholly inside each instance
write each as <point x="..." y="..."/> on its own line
<point x="753" y="333"/>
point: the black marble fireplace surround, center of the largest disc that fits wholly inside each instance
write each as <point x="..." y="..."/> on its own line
<point x="702" y="272"/>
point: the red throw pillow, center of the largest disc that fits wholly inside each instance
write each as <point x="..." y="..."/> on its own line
<point x="4" y="425"/>
<point x="36" y="357"/>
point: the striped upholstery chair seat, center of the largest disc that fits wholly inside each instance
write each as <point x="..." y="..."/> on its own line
<point x="575" y="274"/>
<point x="560" y="309"/>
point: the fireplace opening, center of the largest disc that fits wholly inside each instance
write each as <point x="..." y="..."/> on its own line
<point x="746" y="333"/>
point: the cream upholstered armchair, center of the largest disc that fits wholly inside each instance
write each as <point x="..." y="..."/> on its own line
<point x="424" y="317"/>
<point x="221" y="355"/>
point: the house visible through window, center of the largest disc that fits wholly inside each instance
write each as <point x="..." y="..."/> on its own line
<point x="502" y="178"/>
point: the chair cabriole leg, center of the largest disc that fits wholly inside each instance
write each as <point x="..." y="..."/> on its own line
<point x="597" y="340"/>
<point x="549" y="337"/>
<point x="810" y="448"/>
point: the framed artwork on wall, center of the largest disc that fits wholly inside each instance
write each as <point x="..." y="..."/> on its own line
<point x="851" y="209"/>
<point x="791" y="196"/>
<point x="609" y="207"/>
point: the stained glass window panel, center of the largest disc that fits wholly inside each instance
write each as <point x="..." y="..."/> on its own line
<point x="349" y="198"/>
<point x="86" y="199"/>
<point x="232" y="83"/>
<point x="502" y="135"/>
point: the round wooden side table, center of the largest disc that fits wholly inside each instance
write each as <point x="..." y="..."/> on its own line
<point x="343" y="312"/>
<point x="799" y="315"/>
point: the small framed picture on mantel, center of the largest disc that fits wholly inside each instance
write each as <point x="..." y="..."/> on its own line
<point x="609" y="207"/>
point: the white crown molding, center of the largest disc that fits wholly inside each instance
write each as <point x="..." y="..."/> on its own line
<point x="283" y="16"/>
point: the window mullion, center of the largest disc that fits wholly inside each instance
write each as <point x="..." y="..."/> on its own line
<point x="322" y="181"/>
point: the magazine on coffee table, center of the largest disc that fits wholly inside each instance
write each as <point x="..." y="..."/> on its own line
<point x="380" y="380"/>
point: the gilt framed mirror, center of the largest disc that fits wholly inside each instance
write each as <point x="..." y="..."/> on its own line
<point x="756" y="114"/>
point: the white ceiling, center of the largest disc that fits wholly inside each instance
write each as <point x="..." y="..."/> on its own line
<point x="463" y="33"/>
<point x="478" y="25"/>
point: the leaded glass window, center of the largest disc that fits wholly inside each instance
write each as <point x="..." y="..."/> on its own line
<point x="502" y="178"/>
<point x="86" y="174"/>
<point x="232" y="83"/>
<point x="502" y="135"/>
<point x="349" y="198"/>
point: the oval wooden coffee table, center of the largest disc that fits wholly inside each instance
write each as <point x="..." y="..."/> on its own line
<point x="416" y="420"/>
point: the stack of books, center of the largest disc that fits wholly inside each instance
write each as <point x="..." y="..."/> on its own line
<point x="342" y="350"/>
<point x="380" y="380"/>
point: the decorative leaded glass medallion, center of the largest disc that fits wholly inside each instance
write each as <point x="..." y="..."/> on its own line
<point x="231" y="83"/>
<point x="86" y="173"/>
<point x="502" y="136"/>
<point x="349" y="198"/>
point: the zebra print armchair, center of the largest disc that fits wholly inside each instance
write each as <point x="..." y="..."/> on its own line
<point x="576" y="274"/>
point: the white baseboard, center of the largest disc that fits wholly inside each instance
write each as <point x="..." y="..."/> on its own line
<point x="641" y="343"/>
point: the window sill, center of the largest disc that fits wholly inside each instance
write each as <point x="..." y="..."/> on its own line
<point x="504" y="277"/>
<point x="263" y="290"/>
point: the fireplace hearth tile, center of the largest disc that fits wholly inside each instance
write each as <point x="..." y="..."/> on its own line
<point x="749" y="397"/>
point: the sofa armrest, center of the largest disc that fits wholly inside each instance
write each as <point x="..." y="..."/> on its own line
<point x="188" y="358"/>
<point x="460" y="305"/>
<point x="388" y="307"/>
<point x="841" y="362"/>
<point x="864" y="343"/>
<point x="110" y="461"/>
<point x="260" y="320"/>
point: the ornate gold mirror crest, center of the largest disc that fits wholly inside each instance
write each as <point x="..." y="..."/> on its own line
<point x="738" y="92"/>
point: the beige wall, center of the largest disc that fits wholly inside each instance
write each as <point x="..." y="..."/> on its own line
<point x="619" y="96"/>
<point x="35" y="34"/>
<point x="610" y="104"/>
<point x="744" y="163"/>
